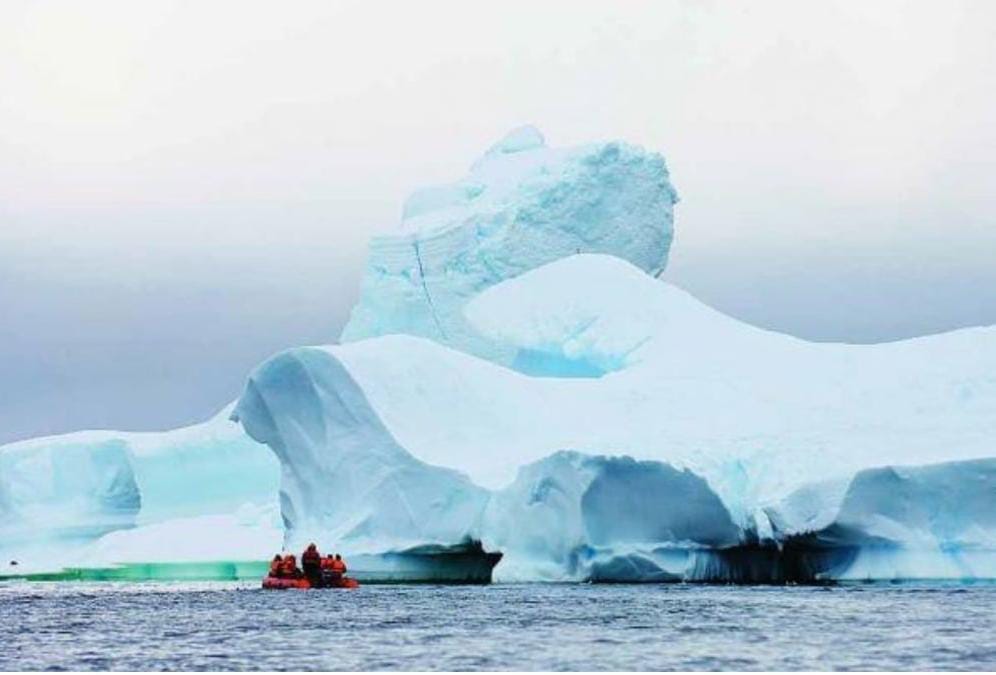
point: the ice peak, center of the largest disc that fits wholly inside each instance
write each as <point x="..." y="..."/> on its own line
<point x="522" y="205"/>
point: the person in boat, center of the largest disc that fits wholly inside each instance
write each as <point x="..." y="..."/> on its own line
<point x="311" y="563"/>
<point x="329" y="577"/>
<point x="290" y="570"/>
<point x="333" y="569"/>
<point x="276" y="566"/>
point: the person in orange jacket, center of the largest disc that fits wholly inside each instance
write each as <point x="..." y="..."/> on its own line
<point x="276" y="566"/>
<point x="332" y="570"/>
<point x="290" y="570"/>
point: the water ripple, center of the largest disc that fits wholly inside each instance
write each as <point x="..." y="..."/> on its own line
<point x="89" y="626"/>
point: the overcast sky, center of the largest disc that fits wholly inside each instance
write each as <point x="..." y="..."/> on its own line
<point x="187" y="187"/>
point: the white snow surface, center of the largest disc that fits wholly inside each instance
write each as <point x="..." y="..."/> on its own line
<point x="248" y="534"/>
<point x="746" y="408"/>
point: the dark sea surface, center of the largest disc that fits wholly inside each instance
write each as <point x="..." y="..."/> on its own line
<point x="231" y="626"/>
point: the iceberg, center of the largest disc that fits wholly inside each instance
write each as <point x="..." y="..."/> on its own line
<point x="517" y="396"/>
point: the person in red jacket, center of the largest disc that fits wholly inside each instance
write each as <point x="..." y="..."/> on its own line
<point x="339" y="565"/>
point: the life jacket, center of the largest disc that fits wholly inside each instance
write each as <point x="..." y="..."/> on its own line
<point x="311" y="556"/>
<point x="338" y="566"/>
<point x="276" y="567"/>
<point x="289" y="567"/>
<point x="327" y="564"/>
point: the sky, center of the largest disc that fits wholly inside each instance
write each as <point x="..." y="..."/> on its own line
<point x="188" y="187"/>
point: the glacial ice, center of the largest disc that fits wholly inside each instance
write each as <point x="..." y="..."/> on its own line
<point x="522" y="204"/>
<point x="516" y="381"/>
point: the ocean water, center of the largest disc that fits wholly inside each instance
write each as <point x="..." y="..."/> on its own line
<point x="189" y="626"/>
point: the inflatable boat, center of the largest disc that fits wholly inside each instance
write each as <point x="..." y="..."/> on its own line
<point x="283" y="584"/>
